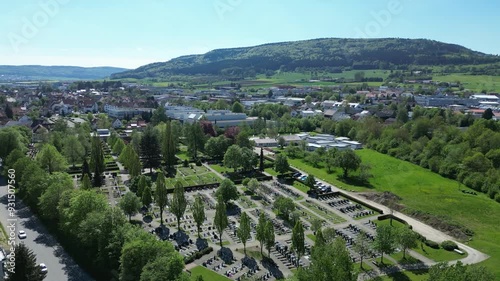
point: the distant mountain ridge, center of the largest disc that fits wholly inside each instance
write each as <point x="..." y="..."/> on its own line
<point x="40" y="72"/>
<point x="330" y="54"/>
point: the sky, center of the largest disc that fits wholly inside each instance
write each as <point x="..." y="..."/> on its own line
<point x="131" y="33"/>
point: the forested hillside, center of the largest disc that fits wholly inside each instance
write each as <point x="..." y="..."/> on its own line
<point x="333" y="55"/>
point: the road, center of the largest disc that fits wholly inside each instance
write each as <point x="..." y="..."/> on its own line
<point x="47" y="250"/>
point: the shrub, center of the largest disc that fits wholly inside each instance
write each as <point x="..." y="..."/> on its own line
<point x="185" y="163"/>
<point x="198" y="162"/>
<point x="197" y="255"/>
<point x="497" y="197"/>
<point x="245" y="181"/>
<point x="432" y="244"/>
<point x="449" y="245"/>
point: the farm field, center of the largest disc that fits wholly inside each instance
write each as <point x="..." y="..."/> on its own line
<point x="422" y="190"/>
<point x="473" y="82"/>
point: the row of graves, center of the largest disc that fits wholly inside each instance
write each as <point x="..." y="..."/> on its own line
<point x="282" y="250"/>
<point x="347" y="206"/>
<point x="286" y="189"/>
<point x="247" y="267"/>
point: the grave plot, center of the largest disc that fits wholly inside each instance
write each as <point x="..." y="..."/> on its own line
<point x="192" y="176"/>
<point x="346" y="206"/>
<point x="324" y="212"/>
<point x="246" y="202"/>
<point x="287" y="190"/>
<point x="279" y="227"/>
<point x="282" y="250"/>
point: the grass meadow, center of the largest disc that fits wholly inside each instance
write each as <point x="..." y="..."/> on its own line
<point x="423" y="190"/>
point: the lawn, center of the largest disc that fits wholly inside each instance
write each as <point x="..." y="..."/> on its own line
<point x="437" y="254"/>
<point x="395" y="223"/>
<point x="196" y="175"/>
<point x="300" y="186"/>
<point x="423" y="190"/>
<point x="311" y="236"/>
<point x="207" y="274"/>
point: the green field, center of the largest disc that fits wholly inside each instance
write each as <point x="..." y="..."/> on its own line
<point x="472" y="82"/>
<point x="207" y="274"/>
<point x="423" y="190"/>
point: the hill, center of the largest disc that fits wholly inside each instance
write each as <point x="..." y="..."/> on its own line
<point x="41" y="72"/>
<point x="331" y="54"/>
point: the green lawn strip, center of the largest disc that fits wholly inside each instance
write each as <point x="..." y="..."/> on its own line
<point x="395" y="223"/>
<point x="207" y="274"/>
<point x="271" y="171"/>
<point x="407" y="260"/>
<point x="423" y="190"/>
<point x="300" y="186"/>
<point x="219" y="168"/>
<point x="311" y="236"/>
<point x="437" y="254"/>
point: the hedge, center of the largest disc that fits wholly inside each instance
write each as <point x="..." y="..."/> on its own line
<point x="432" y="244"/>
<point x="449" y="245"/>
<point x="197" y="255"/>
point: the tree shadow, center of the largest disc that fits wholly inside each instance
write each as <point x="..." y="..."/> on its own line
<point x="201" y="243"/>
<point x="226" y="255"/>
<point x="356" y="181"/>
<point x="147" y="219"/>
<point x="74" y="272"/>
<point x="270" y="264"/>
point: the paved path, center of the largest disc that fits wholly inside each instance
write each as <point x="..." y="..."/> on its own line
<point x="474" y="256"/>
<point x="60" y="265"/>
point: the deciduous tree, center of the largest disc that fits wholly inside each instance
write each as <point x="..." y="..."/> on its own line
<point x="220" y="219"/>
<point x="244" y="230"/>
<point x="130" y="204"/>
<point x="227" y="191"/>
<point x="150" y="149"/>
<point x="281" y="164"/>
<point x="73" y="149"/>
<point x="384" y="241"/>
<point x="161" y="195"/>
<point x="198" y="210"/>
<point x="298" y="242"/>
<point x="178" y="203"/>
<point x="50" y="159"/>
<point x="347" y="160"/>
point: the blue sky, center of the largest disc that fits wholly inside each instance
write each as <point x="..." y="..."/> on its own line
<point x="131" y="33"/>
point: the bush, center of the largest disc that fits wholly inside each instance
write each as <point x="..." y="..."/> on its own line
<point x="185" y="163"/>
<point x="449" y="245"/>
<point x="245" y="181"/>
<point x="197" y="255"/>
<point x="497" y="197"/>
<point x="198" y="162"/>
<point x="432" y="244"/>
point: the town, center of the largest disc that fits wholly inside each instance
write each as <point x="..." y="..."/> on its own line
<point x="243" y="184"/>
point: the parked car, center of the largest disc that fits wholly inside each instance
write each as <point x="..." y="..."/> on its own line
<point x="22" y="234"/>
<point x="43" y="267"/>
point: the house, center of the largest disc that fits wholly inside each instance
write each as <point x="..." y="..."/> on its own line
<point x="117" y="124"/>
<point x="40" y="134"/>
<point x="102" y="133"/>
<point x="265" y="142"/>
